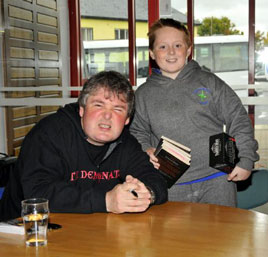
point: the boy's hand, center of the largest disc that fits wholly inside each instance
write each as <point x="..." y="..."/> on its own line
<point x="238" y="174"/>
<point x="153" y="159"/>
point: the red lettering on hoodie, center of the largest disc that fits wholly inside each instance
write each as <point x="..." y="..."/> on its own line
<point x="94" y="175"/>
<point x="83" y="174"/>
<point x="74" y="175"/>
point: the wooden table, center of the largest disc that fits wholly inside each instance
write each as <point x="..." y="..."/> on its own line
<point x="171" y="229"/>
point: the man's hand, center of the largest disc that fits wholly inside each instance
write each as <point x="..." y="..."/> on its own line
<point x="120" y="199"/>
<point x="238" y="174"/>
<point x="153" y="159"/>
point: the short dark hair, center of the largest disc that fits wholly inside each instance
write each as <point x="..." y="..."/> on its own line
<point x="161" y="23"/>
<point x="112" y="81"/>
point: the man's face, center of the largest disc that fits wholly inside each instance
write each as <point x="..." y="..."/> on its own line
<point x="104" y="116"/>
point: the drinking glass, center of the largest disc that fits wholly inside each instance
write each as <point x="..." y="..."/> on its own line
<point x="35" y="214"/>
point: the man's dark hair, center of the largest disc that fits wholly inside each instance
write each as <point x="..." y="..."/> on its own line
<point x="111" y="81"/>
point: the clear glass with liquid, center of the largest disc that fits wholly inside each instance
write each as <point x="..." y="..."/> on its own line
<point x="35" y="213"/>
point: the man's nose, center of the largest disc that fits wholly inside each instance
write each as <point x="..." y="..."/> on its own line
<point x="107" y="114"/>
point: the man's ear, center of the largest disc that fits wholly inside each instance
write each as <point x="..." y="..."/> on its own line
<point x="81" y="111"/>
<point x="127" y="121"/>
<point x="151" y="54"/>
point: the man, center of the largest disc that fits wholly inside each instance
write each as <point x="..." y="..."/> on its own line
<point x="84" y="160"/>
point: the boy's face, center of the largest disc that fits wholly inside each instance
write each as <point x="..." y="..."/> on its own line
<point x="170" y="51"/>
<point x="104" y="116"/>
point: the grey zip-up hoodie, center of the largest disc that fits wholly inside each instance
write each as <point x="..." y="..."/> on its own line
<point x="189" y="110"/>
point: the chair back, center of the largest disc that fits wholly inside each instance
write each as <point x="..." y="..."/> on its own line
<point x="253" y="192"/>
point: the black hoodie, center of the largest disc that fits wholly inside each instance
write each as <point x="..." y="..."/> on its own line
<point x="55" y="163"/>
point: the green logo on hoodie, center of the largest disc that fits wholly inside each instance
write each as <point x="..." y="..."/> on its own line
<point x="202" y="94"/>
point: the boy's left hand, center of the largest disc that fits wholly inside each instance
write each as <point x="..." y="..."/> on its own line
<point x="238" y="174"/>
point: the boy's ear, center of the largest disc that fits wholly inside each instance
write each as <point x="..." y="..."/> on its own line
<point x="151" y="54"/>
<point x="189" y="50"/>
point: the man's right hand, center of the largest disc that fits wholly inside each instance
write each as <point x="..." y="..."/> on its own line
<point x="153" y="159"/>
<point x="120" y="199"/>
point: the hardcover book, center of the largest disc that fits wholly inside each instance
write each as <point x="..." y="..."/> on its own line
<point x="223" y="154"/>
<point x="174" y="159"/>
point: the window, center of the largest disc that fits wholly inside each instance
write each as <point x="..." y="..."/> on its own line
<point x="121" y="34"/>
<point x="87" y="34"/>
<point x="113" y="55"/>
<point x="227" y="56"/>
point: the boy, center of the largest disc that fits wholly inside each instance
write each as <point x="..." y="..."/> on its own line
<point x="188" y="104"/>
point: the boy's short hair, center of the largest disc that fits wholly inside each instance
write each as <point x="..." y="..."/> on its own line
<point x="112" y="81"/>
<point x="161" y="23"/>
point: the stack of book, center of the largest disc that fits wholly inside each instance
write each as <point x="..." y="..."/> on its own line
<point x="174" y="159"/>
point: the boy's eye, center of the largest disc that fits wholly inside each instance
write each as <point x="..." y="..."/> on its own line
<point x="162" y="47"/>
<point x="178" y="45"/>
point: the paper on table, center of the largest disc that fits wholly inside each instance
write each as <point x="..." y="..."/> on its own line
<point x="11" y="229"/>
